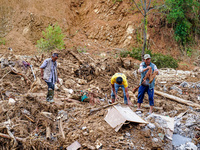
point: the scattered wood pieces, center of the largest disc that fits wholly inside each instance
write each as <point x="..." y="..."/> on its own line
<point x="69" y="100"/>
<point x="18" y="73"/>
<point x="12" y="136"/>
<point x="75" y="56"/>
<point x="5" y="75"/>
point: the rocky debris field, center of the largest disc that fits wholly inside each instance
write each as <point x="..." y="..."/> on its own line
<point x="29" y="122"/>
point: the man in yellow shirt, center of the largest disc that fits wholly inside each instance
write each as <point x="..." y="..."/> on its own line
<point x="119" y="80"/>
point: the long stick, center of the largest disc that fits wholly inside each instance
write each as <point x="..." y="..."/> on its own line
<point x="8" y="137"/>
<point x="97" y="109"/>
<point x="29" y="118"/>
<point x="135" y="89"/>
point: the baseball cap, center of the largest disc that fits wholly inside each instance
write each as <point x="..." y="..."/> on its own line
<point x="55" y="54"/>
<point x="146" y="56"/>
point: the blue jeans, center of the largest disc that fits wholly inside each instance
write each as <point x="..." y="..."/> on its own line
<point x="50" y="85"/>
<point x="141" y="92"/>
<point x="116" y="90"/>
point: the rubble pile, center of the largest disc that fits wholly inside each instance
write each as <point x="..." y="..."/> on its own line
<point x="29" y="122"/>
<point x="187" y="125"/>
<point x="184" y="84"/>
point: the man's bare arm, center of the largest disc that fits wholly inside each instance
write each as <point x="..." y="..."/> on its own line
<point x="127" y="96"/>
<point x="42" y="72"/>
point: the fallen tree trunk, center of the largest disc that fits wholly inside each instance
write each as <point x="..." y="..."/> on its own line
<point x="177" y="99"/>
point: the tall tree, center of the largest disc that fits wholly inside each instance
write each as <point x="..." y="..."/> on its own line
<point x="144" y="6"/>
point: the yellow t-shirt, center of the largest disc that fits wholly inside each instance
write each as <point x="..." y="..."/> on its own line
<point x="114" y="77"/>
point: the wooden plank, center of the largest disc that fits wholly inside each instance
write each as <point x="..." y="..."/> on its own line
<point x="177" y="99"/>
<point x="129" y="115"/>
<point x="114" y="118"/>
<point x="118" y="115"/>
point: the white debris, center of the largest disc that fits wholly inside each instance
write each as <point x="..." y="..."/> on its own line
<point x="187" y="146"/>
<point x="11" y="101"/>
<point x="151" y="126"/>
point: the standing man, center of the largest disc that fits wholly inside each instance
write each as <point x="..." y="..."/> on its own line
<point x="148" y="72"/>
<point x="119" y="80"/>
<point x="49" y="74"/>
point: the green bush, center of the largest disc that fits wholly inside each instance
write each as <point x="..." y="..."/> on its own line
<point x="136" y="53"/>
<point x="164" y="61"/>
<point x="53" y="39"/>
<point x="160" y="60"/>
<point x="2" y="41"/>
<point x="184" y="15"/>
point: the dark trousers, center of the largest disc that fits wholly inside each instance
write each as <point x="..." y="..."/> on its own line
<point x="142" y="90"/>
<point x="50" y="85"/>
<point x="50" y="93"/>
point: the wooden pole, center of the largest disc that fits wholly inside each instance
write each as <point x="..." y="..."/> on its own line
<point x="177" y="99"/>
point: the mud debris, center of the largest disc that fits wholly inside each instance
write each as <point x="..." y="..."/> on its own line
<point x="29" y="122"/>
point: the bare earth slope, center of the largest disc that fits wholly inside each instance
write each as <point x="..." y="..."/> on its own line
<point x="97" y="25"/>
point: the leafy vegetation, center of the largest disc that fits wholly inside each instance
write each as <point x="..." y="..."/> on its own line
<point x="184" y="15"/>
<point x="2" y="41"/>
<point x="53" y="39"/>
<point x="161" y="61"/>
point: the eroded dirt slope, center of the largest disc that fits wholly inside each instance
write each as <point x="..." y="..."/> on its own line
<point x="90" y="25"/>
